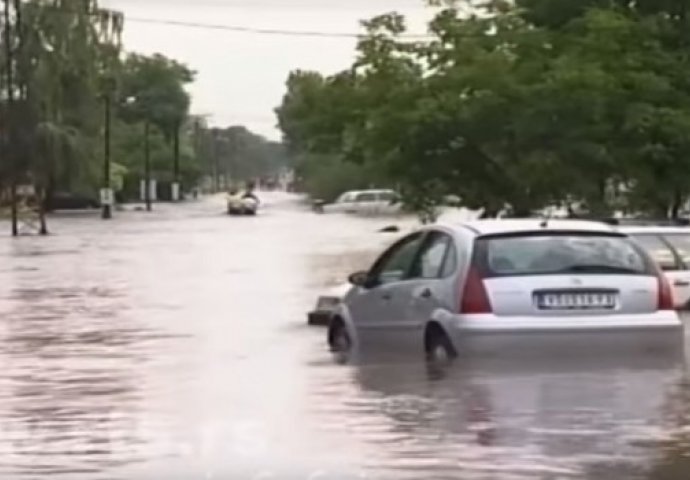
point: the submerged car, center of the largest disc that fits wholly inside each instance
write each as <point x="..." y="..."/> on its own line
<point x="242" y="205"/>
<point x="326" y="305"/>
<point x="494" y="285"/>
<point x="363" y="202"/>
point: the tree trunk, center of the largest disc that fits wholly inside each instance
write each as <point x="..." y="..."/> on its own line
<point x="15" y="212"/>
<point x="677" y="205"/>
<point x="48" y="194"/>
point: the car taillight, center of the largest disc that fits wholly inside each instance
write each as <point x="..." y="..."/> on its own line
<point x="665" y="293"/>
<point x="474" y="297"/>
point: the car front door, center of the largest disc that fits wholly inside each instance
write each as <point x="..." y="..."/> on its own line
<point x="364" y="202"/>
<point x="344" y="204"/>
<point x="431" y="286"/>
<point x="378" y="306"/>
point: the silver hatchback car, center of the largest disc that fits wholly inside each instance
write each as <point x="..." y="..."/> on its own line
<point x="491" y="284"/>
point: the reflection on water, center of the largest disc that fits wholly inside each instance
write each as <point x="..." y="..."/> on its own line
<point x="173" y="345"/>
<point x="512" y="420"/>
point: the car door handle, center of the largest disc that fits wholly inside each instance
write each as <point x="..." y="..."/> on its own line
<point x="386" y="296"/>
<point x="426" y="293"/>
<point x="682" y="283"/>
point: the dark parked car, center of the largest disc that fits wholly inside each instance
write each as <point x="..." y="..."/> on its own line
<point x="71" y="201"/>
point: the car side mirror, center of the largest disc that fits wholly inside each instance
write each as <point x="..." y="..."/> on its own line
<point x="359" y="279"/>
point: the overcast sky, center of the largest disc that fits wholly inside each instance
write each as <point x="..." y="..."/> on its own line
<point x="241" y="76"/>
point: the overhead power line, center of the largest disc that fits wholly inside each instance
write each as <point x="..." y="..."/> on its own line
<point x="260" y="31"/>
<point x="251" y="30"/>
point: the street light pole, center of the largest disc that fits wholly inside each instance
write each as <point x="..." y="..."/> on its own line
<point x="9" y="107"/>
<point x="176" y="164"/>
<point x="216" y="166"/>
<point x="106" y="195"/>
<point x="147" y="165"/>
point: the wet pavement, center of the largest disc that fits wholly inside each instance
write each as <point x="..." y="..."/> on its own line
<point x="174" y="345"/>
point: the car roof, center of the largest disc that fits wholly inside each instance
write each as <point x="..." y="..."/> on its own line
<point x="501" y="226"/>
<point x="653" y="230"/>
<point x="355" y="192"/>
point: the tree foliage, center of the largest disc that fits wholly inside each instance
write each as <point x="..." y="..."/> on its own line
<point x="520" y="105"/>
<point x="66" y="62"/>
<point x="236" y="155"/>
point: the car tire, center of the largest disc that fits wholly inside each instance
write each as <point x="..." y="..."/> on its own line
<point x="438" y="346"/>
<point x="339" y="339"/>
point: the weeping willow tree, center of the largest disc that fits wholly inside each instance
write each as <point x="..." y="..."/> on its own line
<point x="67" y="56"/>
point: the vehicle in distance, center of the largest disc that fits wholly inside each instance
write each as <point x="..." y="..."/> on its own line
<point x="71" y="201"/>
<point x="242" y="205"/>
<point x="487" y="285"/>
<point x="669" y="246"/>
<point x="363" y="202"/>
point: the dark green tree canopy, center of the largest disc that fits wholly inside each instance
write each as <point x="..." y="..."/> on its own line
<point x="520" y="105"/>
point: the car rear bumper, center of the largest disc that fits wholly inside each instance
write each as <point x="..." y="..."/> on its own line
<point x="662" y="332"/>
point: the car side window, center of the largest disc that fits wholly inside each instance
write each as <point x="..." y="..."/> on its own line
<point x="450" y="265"/>
<point x="430" y="262"/>
<point x="366" y="197"/>
<point x="681" y="243"/>
<point x="395" y="264"/>
<point x="387" y="197"/>
<point x="658" y="250"/>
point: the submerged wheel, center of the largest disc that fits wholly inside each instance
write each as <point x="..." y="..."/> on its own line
<point x="438" y="346"/>
<point x="338" y="338"/>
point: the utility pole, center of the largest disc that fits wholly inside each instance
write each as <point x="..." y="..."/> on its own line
<point x="11" y="152"/>
<point x="147" y="165"/>
<point x="216" y="162"/>
<point x="107" y="193"/>
<point x="176" y="163"/>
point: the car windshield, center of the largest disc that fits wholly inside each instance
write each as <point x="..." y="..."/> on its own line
<point x="561" y="254"/>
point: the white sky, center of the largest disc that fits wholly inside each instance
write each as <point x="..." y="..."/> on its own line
<point x="241" y="76"/>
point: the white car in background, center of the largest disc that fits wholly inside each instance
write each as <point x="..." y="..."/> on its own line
<point x="364" y="202"/>
<point x="670" y="248"/>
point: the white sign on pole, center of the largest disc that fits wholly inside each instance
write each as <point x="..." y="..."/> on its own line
<point x="107" y="196"/>
<point x="175" y="192"/>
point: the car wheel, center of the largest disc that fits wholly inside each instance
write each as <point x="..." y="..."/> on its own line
<point x="439" y="348"/>
<point x="338" y="338"/>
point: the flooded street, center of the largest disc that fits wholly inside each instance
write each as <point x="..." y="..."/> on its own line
<point x="174" y="345"/>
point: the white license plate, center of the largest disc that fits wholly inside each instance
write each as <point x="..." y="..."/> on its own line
<point x="576" y="301"/>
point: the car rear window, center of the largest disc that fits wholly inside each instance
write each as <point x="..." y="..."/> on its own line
<point x="560" y="253"/>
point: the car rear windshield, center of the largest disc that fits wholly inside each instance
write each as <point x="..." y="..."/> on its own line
<point x="560" y="253"/>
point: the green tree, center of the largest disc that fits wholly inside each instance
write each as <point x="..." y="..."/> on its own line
<point x="152" y="90"/>
<point x="518" y="106"/>
<point x="59" y="49"/>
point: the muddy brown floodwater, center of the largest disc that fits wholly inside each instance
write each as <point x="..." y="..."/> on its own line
<point x="173" y="345"/>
